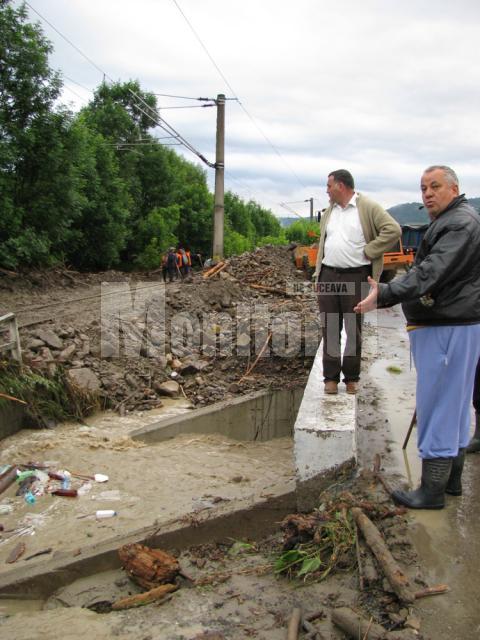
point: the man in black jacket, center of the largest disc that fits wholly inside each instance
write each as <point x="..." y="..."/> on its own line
<point x="441" y="301"/>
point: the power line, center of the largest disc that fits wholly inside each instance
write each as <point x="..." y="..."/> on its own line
<point x="269" y="142"/>
<point x="160" y="122"/>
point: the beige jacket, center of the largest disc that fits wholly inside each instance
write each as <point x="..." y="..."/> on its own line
<point x="381" y="232"/>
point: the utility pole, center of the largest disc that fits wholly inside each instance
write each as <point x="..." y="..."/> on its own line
<point x="219" y="207"/>
<point x="311" y="208"/>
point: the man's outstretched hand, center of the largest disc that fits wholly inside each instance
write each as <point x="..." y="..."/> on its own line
<point x="370" y="302"/>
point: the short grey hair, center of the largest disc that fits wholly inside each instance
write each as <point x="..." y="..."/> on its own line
<point x="450" y="174"/>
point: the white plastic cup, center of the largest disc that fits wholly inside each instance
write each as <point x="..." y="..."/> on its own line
<point x="105" y="513"/>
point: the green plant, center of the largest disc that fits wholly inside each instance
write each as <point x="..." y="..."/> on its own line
<point x="47" y="398"/>
<point x="332" y="542"/>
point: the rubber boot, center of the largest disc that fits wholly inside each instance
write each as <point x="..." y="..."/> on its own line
<point x="454" y="484"/>
<point x="431" y="493"/>
<point x="474" y="444"/>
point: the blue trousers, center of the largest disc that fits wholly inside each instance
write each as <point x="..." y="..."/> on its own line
<point x="445" y="359"/>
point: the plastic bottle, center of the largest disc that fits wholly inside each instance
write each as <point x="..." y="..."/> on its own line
<point x="105" y="513"/>
<point x="30" y="498"/>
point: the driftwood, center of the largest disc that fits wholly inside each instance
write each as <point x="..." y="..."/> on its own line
<point x="148" y="567"/>
<point x="356" y="626"/>
<point x="141" y="599"/>
<point x="294" y="624"/>
<point x="436" y="590"/>
<point x="8" y="478"/>
<point x="396" y="577"/>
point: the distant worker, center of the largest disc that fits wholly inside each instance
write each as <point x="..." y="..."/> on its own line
<point x="179" y="262"/>
<point x="171" y="264"/>
<point x="188" y="265"/>
<point x="474" y="444"/>
<point x="440" y="298"/>
<point x="354" y="234"/>
<point x="164" y="266"/>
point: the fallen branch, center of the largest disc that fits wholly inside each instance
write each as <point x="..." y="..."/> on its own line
<point x="432" y="591"/>
<point x="213" y="270"/>
<point x="361" y="582"/>
<point x="7" y="397"/>
<point x="398" y="580"/>
<point x="294" y="624"/>
<point x="263" y="287"/>
<point x="378" y="476"/>
<point x="141" y="599"/>
<point x="356" y="626"/>
<point x="252" y="367"/>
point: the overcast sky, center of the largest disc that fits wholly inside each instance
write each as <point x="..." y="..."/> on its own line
<point x="380" y="87"/>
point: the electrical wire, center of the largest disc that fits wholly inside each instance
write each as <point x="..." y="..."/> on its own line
<point x="269" y="142"/>
<point x="160" y="122"/>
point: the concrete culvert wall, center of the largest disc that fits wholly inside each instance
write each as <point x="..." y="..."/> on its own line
<point x="259" y="416"/>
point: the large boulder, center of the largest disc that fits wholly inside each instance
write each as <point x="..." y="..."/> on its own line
<point x="84" y="378"/>
<point x="50" y="338"/>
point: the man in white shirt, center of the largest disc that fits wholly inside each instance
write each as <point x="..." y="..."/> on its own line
<point x="354" y="234"/>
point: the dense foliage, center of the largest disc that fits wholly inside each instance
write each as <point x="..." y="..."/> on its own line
<point x="96" y="189"/>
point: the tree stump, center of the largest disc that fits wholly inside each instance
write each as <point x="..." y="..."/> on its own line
<point x="147" y="567"/>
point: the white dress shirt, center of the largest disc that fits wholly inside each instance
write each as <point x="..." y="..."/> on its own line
<point x="344" y="239"/>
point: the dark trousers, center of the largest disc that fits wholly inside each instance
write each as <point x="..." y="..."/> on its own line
<point x="476" y="389"/>
<point x="339" y="290"/>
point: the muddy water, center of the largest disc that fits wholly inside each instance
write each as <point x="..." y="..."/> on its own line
<point x="148" y="485"/>
<point x="448" y="541"/>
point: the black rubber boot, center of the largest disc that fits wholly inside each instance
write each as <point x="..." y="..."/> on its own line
<point x="454" y="484"/>
<point x="474" y="444"/>
<point x="431" y="493"/>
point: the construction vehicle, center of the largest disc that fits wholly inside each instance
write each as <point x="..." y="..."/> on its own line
<point x="305" y="257"/>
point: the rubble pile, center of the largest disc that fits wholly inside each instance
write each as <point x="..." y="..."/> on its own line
<point x="196" y="337"/>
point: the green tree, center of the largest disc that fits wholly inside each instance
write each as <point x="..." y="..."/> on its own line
<point x="100" y="231"/>
<point x="303" y="232"/>
<point x="34" y="146"/>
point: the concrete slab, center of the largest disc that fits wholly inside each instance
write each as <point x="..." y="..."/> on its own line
<point x="324" y="437"/>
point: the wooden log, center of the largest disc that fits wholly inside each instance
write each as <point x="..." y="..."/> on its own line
<point x="396" y="577"/>
<point x="210" y="275"/>
<point x="294" y="624"/>
<point x="212" y="271"/>
<point x="356" y="626"/>
<point x="141" y="599"/>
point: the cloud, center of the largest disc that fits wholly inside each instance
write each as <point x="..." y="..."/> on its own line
<point x="381" y="88"/>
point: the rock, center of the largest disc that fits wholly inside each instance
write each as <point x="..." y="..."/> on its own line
<point x="199" y="380"/>
<point x="193" y="366"/>
<point x="67" y="353"/>
<point x="50" y="338"/>
<point x="35" y="344"/>
<point x="413" y="622"/>
<point x="176" y="364"/>
<point x="169" y="388"/>
<point x="84" y="378"/>
<point x="46" y="354"/>
<point x="243" y="340"/>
